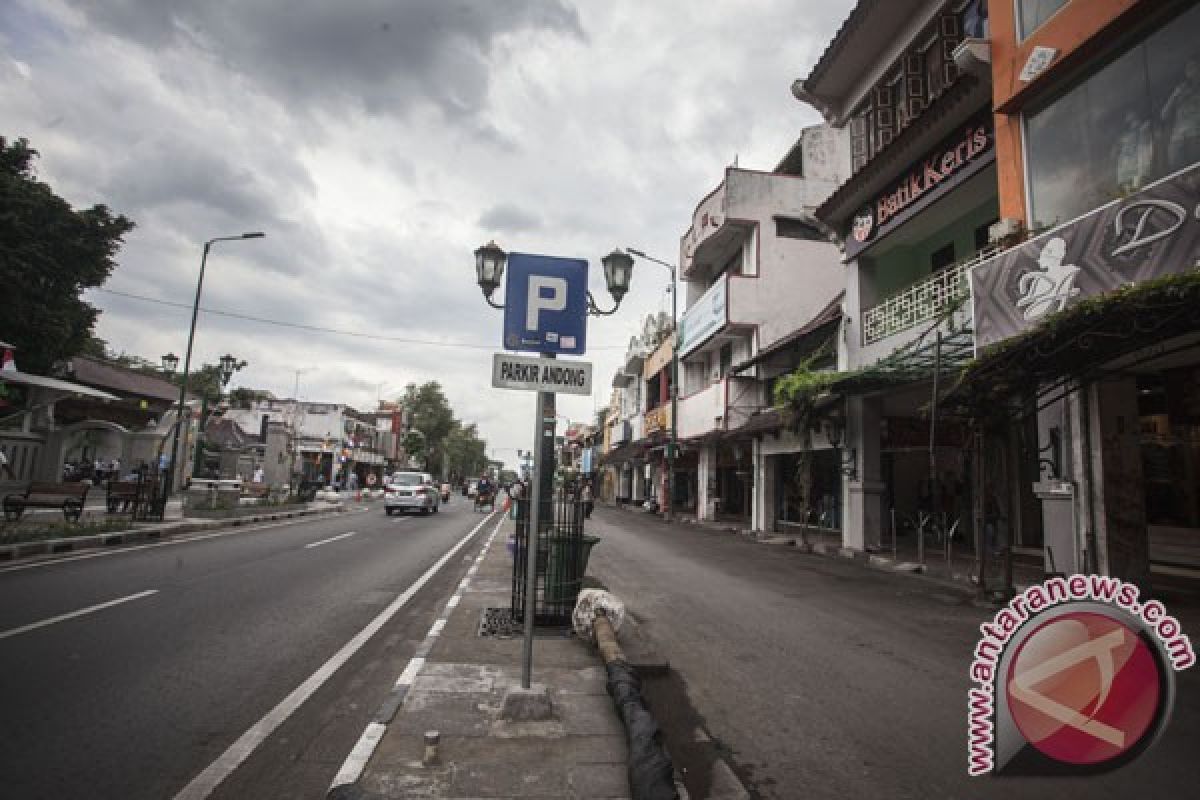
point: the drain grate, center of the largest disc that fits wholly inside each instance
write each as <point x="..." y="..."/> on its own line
<point x="499" y="622"/>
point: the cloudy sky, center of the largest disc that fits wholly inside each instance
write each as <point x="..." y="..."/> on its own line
<point x="378" y="143"/>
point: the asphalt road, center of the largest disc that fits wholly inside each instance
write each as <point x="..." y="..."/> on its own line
<point x="183" y="647"/>
<point x="818" y="678"/>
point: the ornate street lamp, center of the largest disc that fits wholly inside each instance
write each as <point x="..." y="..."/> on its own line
<point x="168" y="484"/>
<point x="228" y="365"/>
<point x="169" y="362"/>
<point x="489" y="270"/>
<point x="618" y="270"/>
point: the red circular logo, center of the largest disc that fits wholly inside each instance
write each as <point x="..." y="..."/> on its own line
<point x="1084" y="688"/>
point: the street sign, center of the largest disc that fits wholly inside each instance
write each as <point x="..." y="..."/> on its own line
<point x="545" y="304"/>
<point x="541" y="374"/>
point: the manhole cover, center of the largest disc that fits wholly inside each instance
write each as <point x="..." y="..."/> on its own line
<point x="499" y="622"/>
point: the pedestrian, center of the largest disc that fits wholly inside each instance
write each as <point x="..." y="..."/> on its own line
<point x="588" y="500"/>
<point x="259" y="475"/>
<point x="5" y="469"/>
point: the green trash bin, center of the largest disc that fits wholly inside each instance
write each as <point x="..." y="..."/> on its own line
<point x="561" y="587"/>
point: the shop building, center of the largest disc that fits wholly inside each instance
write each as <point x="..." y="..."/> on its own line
<point x="1087" y="331"/>
<point x="917" y="214"/>
<point x="757" y="266"/>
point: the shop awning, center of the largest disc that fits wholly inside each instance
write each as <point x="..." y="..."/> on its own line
<point x="804" y="340"/>
<point x="1078" y="342"/>
<point x="767" y="420"/>
<point x="54" y="384"/>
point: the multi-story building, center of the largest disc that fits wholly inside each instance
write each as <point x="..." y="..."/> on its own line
<point x="628" y="449"/>
<point x="757" y="266"/>
<point x="1087" y="332"/>
<point x="915" y="215"/>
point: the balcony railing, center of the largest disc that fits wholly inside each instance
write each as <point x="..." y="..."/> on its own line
<point x="922" y="301"/>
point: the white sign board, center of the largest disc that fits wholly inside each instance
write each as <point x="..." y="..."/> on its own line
<point x="704" y="318"/>
<point x="541" y="374"/>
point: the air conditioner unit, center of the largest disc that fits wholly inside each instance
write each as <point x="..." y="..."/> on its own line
<point x="1003" y="229"/>
<point x="974" y="56"/>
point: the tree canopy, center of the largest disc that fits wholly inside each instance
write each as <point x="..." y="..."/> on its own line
<point x="447" y="446"/>
<point x="49" y="253"/>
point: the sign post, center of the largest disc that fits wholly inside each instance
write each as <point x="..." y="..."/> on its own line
<point x="545" y="312"/>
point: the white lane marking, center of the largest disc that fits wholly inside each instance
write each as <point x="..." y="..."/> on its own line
<point x="362" y="752"/>
<point x="356" y="762"/>
<point x="203" y="784"/>
<point x="173" y="541"/>
<point x="410" y="672"/>
<point x="73" y="614"/>
<point x="330" y="539"/>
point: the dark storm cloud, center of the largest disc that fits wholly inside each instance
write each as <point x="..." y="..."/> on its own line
<point x="506" y="218"/>
<point x="380" y="56"/>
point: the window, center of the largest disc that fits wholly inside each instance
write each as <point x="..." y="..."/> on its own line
<point x="1033" y="13"/>
<point x="726" y="363"/>
<point x="942" y="257"/>
<point x="787" y="228"/>
<point x="1130" y="122"/>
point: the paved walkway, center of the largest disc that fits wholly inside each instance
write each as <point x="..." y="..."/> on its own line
<point x="456" y="686"/>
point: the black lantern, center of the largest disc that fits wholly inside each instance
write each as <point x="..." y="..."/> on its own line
<point x="228" y="365"/>
<point x="169" y="362"/>
<point x="618" y="269"/>
<point x="489" y="268"/>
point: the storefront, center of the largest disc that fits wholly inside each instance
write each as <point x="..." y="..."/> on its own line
<point x="1095" y="324"/>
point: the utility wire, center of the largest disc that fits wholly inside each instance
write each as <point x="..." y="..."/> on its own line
<point x="316" y="328"/>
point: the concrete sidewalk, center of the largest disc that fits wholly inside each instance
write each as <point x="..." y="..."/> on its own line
<point x="456" y="686"/>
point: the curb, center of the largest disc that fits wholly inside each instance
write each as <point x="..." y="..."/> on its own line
<point x="345" y="782"/>
<point x="51" y="547"/>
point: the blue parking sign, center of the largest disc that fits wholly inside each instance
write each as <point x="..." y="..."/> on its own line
<point x="545" y="304"/>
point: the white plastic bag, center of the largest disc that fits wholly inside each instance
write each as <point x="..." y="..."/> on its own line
<point x="585" y="611"/>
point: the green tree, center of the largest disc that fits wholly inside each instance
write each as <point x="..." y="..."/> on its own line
<point x="429" y="412"/>
<point x="465" y="452"/>
<point x="49" y="253"/>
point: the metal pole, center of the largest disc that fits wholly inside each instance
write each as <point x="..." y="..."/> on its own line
<point x="673" y="444"/>
<point x="933" y="478"/>
<point x="893" y="513"/>
<point x="183" y="386"/>
<point x="543" y="411"/>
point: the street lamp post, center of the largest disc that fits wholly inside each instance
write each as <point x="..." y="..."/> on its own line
<point x="187" y="358"/>
<point x="673" y="442"/>
<point x="489" y="271"/>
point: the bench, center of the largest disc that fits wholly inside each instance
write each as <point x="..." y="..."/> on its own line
<point x="67" y="496"/>
<point x="121" y="496"/>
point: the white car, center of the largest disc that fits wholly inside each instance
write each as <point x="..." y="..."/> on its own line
<point x="410" y="491"/>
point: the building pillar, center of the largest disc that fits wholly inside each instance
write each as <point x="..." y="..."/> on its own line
<point x="706" y="477"/>
<point x="864" y="490"/>
<point x="764" y="489"/>
<point x="276" y="461"/>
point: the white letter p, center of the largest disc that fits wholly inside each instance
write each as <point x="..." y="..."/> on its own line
<point x="557" y="301"/>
